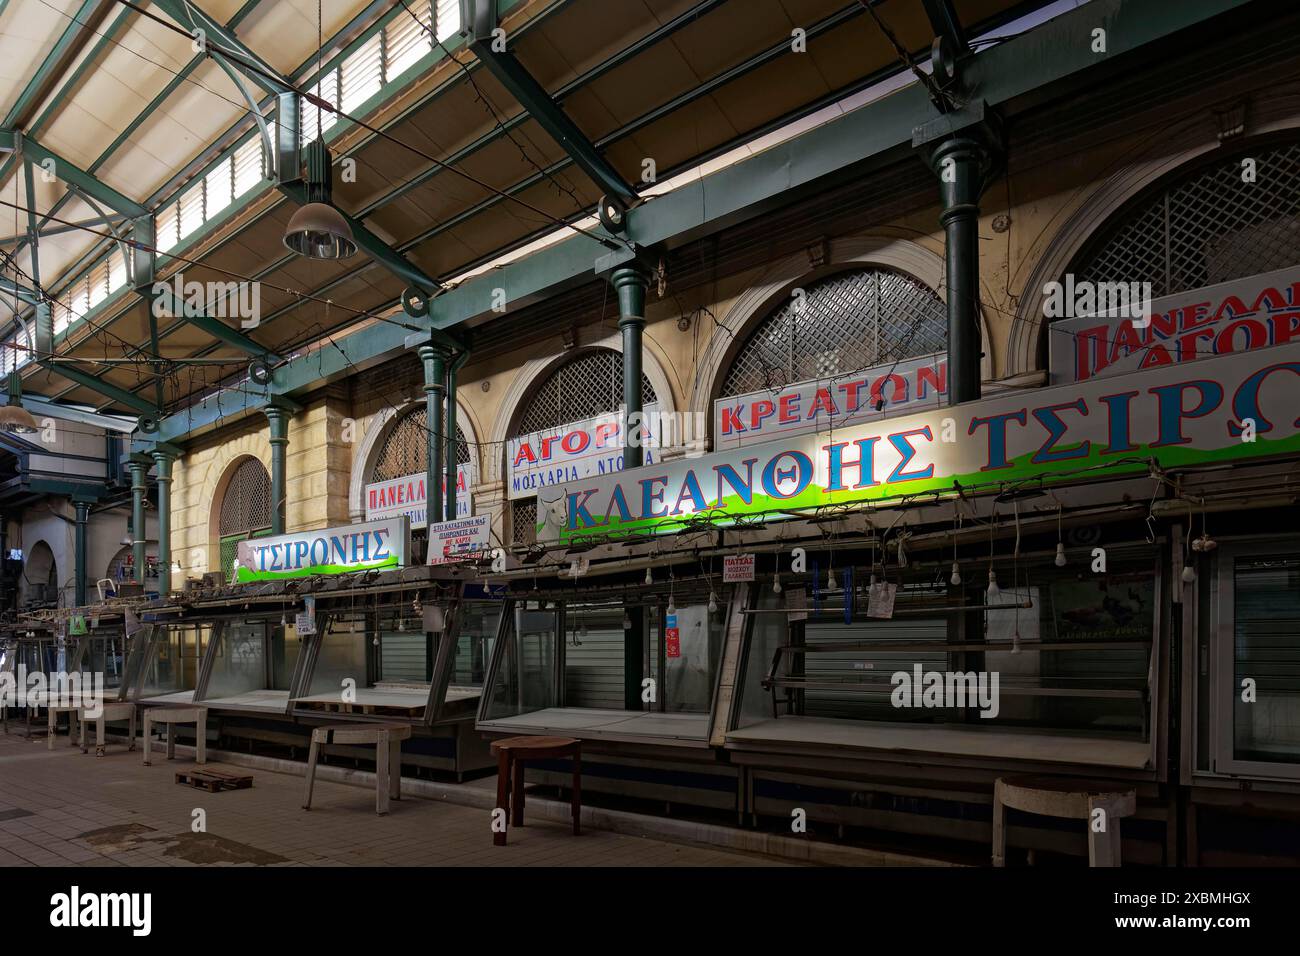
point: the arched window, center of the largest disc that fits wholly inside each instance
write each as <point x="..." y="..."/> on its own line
<point x="587" y="385"/>
<point x="841" y="323"/>
<point x="1205" y="226"/>
<point x="41" y="575"/>
<point x="405" y="449"/>
<point x="245" y="509"/>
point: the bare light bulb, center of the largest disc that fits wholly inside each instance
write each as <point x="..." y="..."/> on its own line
<point x="672" y="607"/>
<point x="649" y="578"/>
<point x="831" y="583"/>
<point x="1189" y="574"/>
<point x="776" y="583"/>
<point x="956" y="575"/>
<point x="1060" y="554"/>
<point x="1015" y="642"/>
<point x="713" y="603"/>
<point x="993" y="591"/>
<point x="627" y="621"/>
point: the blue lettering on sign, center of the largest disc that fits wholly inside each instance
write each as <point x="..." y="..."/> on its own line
<point x="670" y="620"/>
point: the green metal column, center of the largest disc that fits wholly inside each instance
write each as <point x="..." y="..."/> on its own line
<point x="139" y="466"/>
<point x="435" y="371"/>
<point x="961" y="163"/>
<point x="630" y="283"/>
<point x="452" y="445"/>
<point x="163" y="461"/>
<point x="82" y="571"/>
<point x="278" y="418"/>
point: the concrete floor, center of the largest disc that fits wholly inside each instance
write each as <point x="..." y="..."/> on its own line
<point x="65" y="808"/>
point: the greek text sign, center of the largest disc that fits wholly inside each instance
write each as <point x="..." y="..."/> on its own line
<point x="376" y="545"/>
<point x="406" y="496"/>
<point x="456" y="540"/>
<point x="593" y="446"/>
<point x="1223" y="409"/>
<point x="824" y="404"/>
<point x="1244" y="315"/>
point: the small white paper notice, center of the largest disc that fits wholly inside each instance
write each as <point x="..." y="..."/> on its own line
<point x="796" y="604"/>
<point x="880" y="600"/>
<point x="304" y="622"/>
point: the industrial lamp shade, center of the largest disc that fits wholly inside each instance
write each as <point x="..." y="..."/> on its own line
<point x="319" y="231"/>
<point x="14" y="419"/>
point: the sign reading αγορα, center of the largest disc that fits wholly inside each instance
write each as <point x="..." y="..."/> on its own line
<point x="457" y="540"/>
<point x="1243" y="315"/>
<point x="593" y="446"/>
<point x="374" y="545"/>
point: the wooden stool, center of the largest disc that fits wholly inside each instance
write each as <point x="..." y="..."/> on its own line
<point x="387" y="739"/>
<point x="171" y="716"/>
<point x="52" y="711"/>
<point x="1070" y="799"/>
<point x="512" y="753"/>
<point x="109" y="710"/>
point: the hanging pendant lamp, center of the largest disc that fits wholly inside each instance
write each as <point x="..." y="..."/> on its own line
<point x="318" y="230"/>
<point x="14" y="419"/>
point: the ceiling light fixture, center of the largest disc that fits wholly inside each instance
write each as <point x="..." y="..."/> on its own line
<point x="14" y="419"/>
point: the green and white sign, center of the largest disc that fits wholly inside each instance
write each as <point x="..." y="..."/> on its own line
<point x="1228" y="408"/>
<point x="375" y="545"/>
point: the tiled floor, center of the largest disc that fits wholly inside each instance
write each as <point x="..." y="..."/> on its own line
<point x="64" y="808"/>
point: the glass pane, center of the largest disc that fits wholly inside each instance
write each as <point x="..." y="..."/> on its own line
<point x="525" y="677"/>
<point x="171" y="661"/>
<point x="593" y="656"/>
<point x="342" y="656"/>
<point x="239" y="664"/>
<point x="1266" y="594"/>
<point x="690" y="656"/>
<point x="480" y="621"/>
<point x="768" y="629"/>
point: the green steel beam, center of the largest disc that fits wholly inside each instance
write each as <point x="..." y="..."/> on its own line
<point x="189" y="16"/>
<point x="74" y="175"/>
<point x="108" y="390"/>
<point x="945" y="23"/>
<point x="201" y="320"/>
<point x="1056" y="51"/>
<point x="52" y="62"/>
<point x="532" y="96"/>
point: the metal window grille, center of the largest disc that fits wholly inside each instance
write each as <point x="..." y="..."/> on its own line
<point x="246" y="505"/>
<point x="523" y="521"/>
<point x="405" y="450"/>
<point x="1206" y="227"/>
<point x="587" y="386"/>
<point x="842" y="323"/>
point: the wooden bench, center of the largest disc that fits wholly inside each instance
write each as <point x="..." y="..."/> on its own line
<point x="512" y="753"/>
<point x="387" y="739"/>
<point x="1069" y="799"/>
<point x="110" y="710"/>
<point x="171" y="716"/>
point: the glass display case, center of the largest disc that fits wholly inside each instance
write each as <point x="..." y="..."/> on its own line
<point x="597" y="666"/>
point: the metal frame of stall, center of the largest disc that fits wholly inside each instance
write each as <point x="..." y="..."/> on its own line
<point x="444" y="738"/>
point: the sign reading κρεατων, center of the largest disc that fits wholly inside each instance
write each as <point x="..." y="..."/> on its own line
<point x="457" y="540"/>
<point x="374" y="545"/>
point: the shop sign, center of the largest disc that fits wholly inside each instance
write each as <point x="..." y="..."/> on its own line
<point x="1244" y="315"/>
<point x="593" y="446"/>
<point x="1225" y="409"/>
<point x="458" y="540"/>
<point x="406" y="496"/>
<point x="737" y="568"/>
<point x="375" y="545"/>
<point x="824" y="404"/>
<point x="672" y="636"/>
<point x="304" y="622"/>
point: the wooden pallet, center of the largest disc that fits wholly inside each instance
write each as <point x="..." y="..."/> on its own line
<point x="214" y="781"/>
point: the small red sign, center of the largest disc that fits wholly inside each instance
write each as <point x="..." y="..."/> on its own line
<point x="674" y="641"/>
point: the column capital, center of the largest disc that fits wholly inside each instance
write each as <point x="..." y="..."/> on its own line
<point x="630" y="282"/>
<point x="277" y="416"/>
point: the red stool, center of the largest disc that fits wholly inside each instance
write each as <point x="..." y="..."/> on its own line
<point x="512" y="753"/>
